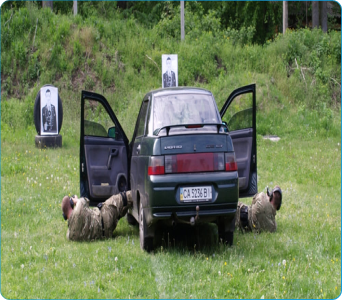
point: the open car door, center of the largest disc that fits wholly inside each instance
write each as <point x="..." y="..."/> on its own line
<point x="239" y="113"/>
<point x="103" y="150"/>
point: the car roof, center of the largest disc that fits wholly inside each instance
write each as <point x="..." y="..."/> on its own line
<point x="179" y="90"/>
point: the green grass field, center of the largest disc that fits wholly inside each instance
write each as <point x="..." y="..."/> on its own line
<point x="301" y="260"/>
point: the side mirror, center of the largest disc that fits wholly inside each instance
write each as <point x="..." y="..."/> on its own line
<point x="111" y="132"/>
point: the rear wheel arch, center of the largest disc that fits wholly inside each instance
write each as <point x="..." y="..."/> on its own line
<point x="121" y="182"/>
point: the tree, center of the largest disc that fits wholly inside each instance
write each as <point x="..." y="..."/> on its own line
<point x="315" y="14"/>
<point x="324" y="16"/>
<point x="285" y="16"/>
<point x="48" y="4"/>
<point x="75" y="8"/>
<point x="264" y="16"/>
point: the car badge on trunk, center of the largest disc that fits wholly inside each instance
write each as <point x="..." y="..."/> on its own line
<point x="173" y="147"/>
<point x="194" y="147"/>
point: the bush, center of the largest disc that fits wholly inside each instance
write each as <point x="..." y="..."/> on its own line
<point x="34" y="66"/>
<point x="17" y="114"/>
<point x="241" y="37"/>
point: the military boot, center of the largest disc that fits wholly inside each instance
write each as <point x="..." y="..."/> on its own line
<point x="127" y="202"/>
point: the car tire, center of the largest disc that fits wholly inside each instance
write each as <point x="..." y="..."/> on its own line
<point x="226" y="231"/>
<point x="146" y="243"/>
<point x="227" y="238"/>
<point x="36" y="112"/>
<point x="131" y="220"/>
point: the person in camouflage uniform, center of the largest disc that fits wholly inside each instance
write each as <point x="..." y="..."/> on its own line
<point x="260" y="215"/>
<point x="86" y="224"/>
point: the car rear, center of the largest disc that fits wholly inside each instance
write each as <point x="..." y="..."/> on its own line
<point x="189" y="172"/>
<point x="193" y="161"/>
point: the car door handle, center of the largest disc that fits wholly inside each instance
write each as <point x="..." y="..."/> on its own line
<point x="138" y="149"/>
<point x="113" y="152"/>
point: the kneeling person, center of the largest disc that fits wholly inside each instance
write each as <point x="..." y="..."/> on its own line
<point x="260" y="215"/>
<point x="85" y="224"/>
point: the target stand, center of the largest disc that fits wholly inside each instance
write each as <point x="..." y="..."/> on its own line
<point x="48" y="117"/>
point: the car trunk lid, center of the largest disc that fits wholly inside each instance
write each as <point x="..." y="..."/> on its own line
<point x="195" y="143"/>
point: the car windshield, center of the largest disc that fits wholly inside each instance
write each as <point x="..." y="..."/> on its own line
<point x="184" y="109"/>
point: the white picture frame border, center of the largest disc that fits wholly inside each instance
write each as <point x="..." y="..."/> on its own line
<point x="43" y="102"/>
<point x="174" y="66"/>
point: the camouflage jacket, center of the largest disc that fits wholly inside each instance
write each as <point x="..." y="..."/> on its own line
<point x="84" y="222"/>
<point x="261" y="215"/>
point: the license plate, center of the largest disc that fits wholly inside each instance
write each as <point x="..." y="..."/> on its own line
<point x="195" y="194"/>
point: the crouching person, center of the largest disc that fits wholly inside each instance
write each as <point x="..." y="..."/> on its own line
<point x="260" y="216"/>
<point x="86" y="224"/>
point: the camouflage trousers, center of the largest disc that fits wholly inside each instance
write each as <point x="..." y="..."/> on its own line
<point x="111" y="211"/>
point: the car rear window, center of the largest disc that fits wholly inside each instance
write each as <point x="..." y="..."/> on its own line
<point x="184" y="109"/>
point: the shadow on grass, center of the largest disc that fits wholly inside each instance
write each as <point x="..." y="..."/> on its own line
<point x="202" y="237"/>
<point x="183" y="237"/>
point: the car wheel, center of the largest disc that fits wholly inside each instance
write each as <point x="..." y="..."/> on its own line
<point x="131" y="220"/>
<point x="226" y="231"/>
<point x="227" y="238"/>
<point x="146" y="243"/>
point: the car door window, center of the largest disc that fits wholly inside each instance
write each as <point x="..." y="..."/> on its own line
<point x="141" y="121"/>
<point x="96" y="119"/>
<point x="240" y="113"/>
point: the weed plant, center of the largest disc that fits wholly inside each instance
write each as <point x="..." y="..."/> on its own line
<point x="298" y="80"/>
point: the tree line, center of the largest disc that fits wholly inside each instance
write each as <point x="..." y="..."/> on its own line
<point x="268" y="18"/>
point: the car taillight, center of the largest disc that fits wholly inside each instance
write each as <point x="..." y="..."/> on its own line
<point x="218" y="161"/>
<point x="231" y="164"/>
<point x="170" y="163"/>
<point x="195" y="162"/>
<point x="156" y="165"/>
